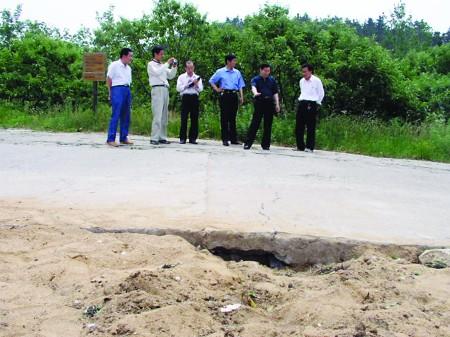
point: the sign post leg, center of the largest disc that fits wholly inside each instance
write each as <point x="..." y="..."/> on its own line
<point x="95" y="96"/>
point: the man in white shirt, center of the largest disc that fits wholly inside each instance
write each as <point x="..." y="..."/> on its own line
<point x="159" y="73"/>
<point x="119" y="81"/>
<point x="311" y="96"/>
<point x="189" y="85"/>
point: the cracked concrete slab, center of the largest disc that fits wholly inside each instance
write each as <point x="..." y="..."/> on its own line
<point x="209" y="186"/>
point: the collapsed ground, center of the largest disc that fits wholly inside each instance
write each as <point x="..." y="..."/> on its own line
<point x="59" y="280"/>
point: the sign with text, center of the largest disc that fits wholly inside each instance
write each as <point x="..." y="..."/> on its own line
<point x="94" y="66"/>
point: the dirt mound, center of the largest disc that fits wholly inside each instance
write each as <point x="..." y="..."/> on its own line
<point x="58" y="280"/>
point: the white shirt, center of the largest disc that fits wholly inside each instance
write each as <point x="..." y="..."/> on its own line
<point x="159" y="73"/>
<point x="119" y="73"/>
<point x="183" y="82"/>
<point x="311" y="90"/>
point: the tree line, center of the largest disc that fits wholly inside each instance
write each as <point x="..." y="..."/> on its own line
<point x="385" y="68"/>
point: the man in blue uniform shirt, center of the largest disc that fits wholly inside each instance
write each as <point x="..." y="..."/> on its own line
<point x="266" y="102"/>
<point x="229" y="84"/>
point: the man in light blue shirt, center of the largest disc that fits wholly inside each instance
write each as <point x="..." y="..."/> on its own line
<point x="228" y="83"/>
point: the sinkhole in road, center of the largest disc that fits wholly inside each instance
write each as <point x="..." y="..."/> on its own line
<point x="274" y="249"/>
<point x="267" y="259"/>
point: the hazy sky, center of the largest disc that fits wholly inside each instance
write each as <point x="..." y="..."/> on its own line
<point x="74" y="14"/>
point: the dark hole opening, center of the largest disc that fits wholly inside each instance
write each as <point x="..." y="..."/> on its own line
<point x="260" y="256"/>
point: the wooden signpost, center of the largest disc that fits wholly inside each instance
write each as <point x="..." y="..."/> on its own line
<point x="94" y="69"/>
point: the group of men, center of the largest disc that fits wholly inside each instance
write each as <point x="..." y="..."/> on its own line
<point x="228" y="83"/>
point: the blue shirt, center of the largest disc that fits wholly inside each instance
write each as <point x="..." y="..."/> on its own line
<point x="267" y="87"/>
<point x="228" y="79"/>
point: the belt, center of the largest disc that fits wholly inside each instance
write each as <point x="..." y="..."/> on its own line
<point x="122" y="85"/>
<point x="307" y="101"/>
<point x="264" y="97"/>
<point x="229" y="92"/>
<point x="160" y="85"/>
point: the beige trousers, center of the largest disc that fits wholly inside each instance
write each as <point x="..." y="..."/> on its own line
<point x="160" y="110"/>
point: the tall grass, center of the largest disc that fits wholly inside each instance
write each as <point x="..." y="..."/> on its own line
<point x="426" y="141"/>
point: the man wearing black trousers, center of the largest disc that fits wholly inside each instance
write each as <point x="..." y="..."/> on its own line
<point x="266" y="103"/>
<point x="229" y="84"/>
<point x="311" y="96"/>
<point x="189" y="85"/>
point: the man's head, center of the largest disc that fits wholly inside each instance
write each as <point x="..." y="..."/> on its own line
<point x="126" y="55"/>
<point x="190" y="67"/>
<point x="264" y="70"/>
<point x="230" y="61"/>
<point x="158" y="53"/>
<point x="307" y="71"/>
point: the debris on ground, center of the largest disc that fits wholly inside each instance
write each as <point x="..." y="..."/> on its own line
<point x="231" y="307"/>
<point x="436" y="258"/>
<point x="92" y="310"/>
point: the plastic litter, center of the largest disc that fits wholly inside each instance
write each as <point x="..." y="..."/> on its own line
<point x="231" y="307"/>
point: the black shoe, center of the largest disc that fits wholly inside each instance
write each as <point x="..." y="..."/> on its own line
<point x="266" y="148"/>
<point x="154" y="142"/>
<point x="163" y="141"/>
<point x="193" y="142"/>
<point x="225" y="144"/>
<point x="182" y="141"/>
<point x="247" y="147"/>
<point x="236" y="143"/>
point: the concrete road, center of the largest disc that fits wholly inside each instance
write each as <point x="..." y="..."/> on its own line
<point x="211" y="186"/>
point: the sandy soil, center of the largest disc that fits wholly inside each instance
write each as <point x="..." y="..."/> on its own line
<point x="51" y="271"/>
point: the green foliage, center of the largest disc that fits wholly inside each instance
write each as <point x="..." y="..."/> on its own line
<point x="40" y="66"/>
<point x="42" y="71"/>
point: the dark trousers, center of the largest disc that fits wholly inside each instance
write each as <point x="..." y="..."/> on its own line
<point x="264" y="108"/>
<point x="121" y="110"/>
<point x="306" y="117"/>
<point x="229" y="105"/>
<point x="189" y="108"/>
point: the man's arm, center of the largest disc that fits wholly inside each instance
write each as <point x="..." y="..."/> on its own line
<point x="255" y="91"/>
<point x="109" y="84"/>
<point x="180" y="86"/>
<point x="109" y="75"/>
<point x="156" y="71"/>
<point x="320" y="92"/>
<point x="172" y="72"/>
<point x="199" y="85"/>
<point x="277" y="103"/>
<point x="214" y="80"/>
<point x="241" y="86"/>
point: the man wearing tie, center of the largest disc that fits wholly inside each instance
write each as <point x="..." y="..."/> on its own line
<point x="189" y="85"/>
<point x="228" y="82"/>
<point x="159" y="73"/>
<point x="311" y="96"/>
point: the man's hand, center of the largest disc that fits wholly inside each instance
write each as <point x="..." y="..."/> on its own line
<point x="257" y="94"/>
<point x="277" y="108"/>
<point x="170" y="61"/>
<point x="241" y="100"/>
<point x="218" y="90"/>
